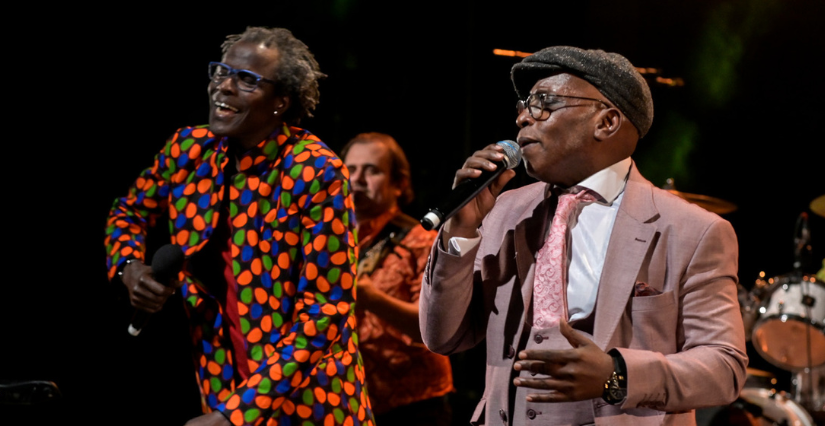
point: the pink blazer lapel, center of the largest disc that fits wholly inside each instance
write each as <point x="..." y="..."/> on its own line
<point x="633" y="233"/>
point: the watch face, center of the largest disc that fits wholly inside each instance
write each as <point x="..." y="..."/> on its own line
<point x="616" y="394"/>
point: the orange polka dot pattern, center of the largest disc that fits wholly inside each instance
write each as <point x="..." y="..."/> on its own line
<point x="293" y="257"/>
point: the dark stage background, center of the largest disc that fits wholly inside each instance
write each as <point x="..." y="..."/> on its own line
<point x="107" y="91"/>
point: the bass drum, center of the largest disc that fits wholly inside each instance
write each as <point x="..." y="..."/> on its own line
<point x="761" y="407"/>
<point x="789" y="332"/>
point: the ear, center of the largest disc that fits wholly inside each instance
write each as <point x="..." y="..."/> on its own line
<point x="608" y="124"/>
<point x="280" y="105"/>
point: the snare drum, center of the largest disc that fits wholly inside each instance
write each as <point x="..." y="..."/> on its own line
<point x="759" y="407"/>
<point x="789" y="331"/>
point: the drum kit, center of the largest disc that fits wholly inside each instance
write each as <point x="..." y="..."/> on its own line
<point x="784" y="318"/>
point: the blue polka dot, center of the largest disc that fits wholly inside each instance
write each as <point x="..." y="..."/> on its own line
<point x="180" y="221"/>
<point x="248" y="396"/>
<point x="314" y="309"/>
<point x="318" y="411"/>
<point x="329" y="174"/>
<point x="274" y="337"/>
<point x="323" y="259"/>
<point x="286" y="353"/>
<point x="163" y="191"/>
<point x="288" y="161"/>
<point x="207" y="348"/>
<point x="320" y="162"/>
<point x="256" y="310"/>
<point x="319" y="341"/>
<point x="218" y="320"/>
<point x="336" y="294"/>
<point x="299" y="187"/>
<point x="203" y="201"/>
<point x="247" y="253"/>
<point x="266" y="280"/>
<point x="183" y="159"/>
<point x="228" y="372"/>
<point x="284" y="386"/>
<point x="178" y="191"/>
<point x="322" y="377"/>
<point x="186" y="132"/>
<point x="212" y="400"/>
<point x="338" y="202"/>
<point x="246" y="197"/>
<point x="302" y="284"/>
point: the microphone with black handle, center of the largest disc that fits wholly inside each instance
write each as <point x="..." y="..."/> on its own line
<point x="166" y="264"/>
<point x="469" y="188"/>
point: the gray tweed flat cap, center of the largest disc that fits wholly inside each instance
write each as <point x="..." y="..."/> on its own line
<point x="612" y="74"/>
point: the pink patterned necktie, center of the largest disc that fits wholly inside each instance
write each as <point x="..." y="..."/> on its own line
<point x="549" y="288"/>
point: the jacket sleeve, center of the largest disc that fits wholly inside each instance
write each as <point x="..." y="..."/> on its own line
<point x="131" y="215"/>
<point x="323" y="302"/>
<point x="709" y="367"/>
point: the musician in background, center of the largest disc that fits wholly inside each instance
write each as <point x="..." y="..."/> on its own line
<point x="407" y="383"/>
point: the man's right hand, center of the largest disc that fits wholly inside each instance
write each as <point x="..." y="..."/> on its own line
<point x="467" y="220"/>
<point x="144" y="292"/>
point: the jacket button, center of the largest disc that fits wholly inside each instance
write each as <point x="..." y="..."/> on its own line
<point x="511" y="352"/>
<point x="531" y="414"/>
<point x="503" y="415"/>
<point x="538" y="338"/>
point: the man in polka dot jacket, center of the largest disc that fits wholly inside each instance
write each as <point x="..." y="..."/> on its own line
<point x="262" y="211"/>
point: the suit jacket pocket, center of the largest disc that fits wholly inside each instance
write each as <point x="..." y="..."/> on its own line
<point x="654" y="322"/>
<point x="653" y="303"/>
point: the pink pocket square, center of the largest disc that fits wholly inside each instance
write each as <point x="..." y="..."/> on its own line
<point x="642" y="289"/>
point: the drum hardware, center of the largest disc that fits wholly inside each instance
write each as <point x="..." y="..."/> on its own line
<point x="818" y="205"/>
<point x="711" y="204"/>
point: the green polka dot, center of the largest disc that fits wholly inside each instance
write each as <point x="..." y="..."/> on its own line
<point x="181" y="204"/>
<point x="251" y="415"/>
<point x="240" y="181"/>
<point x="151" y="191"/>
<point x="236" y="267"/>
<point x="239" y="238"/>
<point x="277" y="289"/>
<point x="208" y="154"/>
<point x="220" y="356"/>
<point x="290" y="368"/>
<point x="339" y="415"/>
<point x="307" y="237"/>
<point x="194" y="238"/>
<point x="308" y="397"/>
<point x="292" y="252"/>
<point x="322" y="323"/>
<point x="257" y="352"/>
<point x="215" y="383"/>
<point x="233" y="209"/>
<point x="264" y="206"/>
<point x="353" y="404"/>
<point x="186" y="144"/>
<point x="296" y="171"/>
<point x="355" y="339"/>
<point x="267" y="261"/>
<point x="192" y="300"/>
<point x="315" y="186"/>
<point x="336" y="385"/>
<point x="244" y="325"/>
<point x="300" y="342"/>
<point x="271" y="150"/>
<point x="315" y="212"/>
<point x="208" y="216"/>
<point x="265" y="385"/>
<point x="319" y="297"/>
<point x="286" y="199"/>
<point x="246" y="295"/>
<point x="333" y="243"/>
<point x="351" y="374"/>
<point x="333" y="275"/>
<point x="277" y="321"/>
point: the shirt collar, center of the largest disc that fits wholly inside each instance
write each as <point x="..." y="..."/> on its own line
<point x="609" y="182"/>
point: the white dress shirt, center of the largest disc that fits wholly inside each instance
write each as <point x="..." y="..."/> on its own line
<point x="590" y="232"/>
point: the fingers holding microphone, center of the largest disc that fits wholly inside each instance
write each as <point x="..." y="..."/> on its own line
<point x="145" y="293"/>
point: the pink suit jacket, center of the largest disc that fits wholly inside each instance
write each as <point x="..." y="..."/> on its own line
<point x="684" y="348"/>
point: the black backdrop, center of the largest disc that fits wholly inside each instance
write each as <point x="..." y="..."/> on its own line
<point x="97" y="92"/>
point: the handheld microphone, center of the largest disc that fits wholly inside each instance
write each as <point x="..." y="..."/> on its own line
<point x="166" y="263"/>
<point x="469" y="188"/>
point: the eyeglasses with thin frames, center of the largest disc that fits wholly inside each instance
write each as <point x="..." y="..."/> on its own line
<point x="541" y="105"/>
<point x="246" y="80"/>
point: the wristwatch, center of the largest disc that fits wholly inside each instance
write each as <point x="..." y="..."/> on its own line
<point x="615" y="388"/>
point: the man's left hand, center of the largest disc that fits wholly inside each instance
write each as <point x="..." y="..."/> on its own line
<point x="215" y="418"/>
<point x="573" y="374"/>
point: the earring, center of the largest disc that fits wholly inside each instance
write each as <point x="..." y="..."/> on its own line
<point x="275" y="113"/>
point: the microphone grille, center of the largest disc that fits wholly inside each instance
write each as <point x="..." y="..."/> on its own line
<point x="512" y="153"/>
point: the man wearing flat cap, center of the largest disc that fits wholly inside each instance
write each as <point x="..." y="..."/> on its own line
<point x="603" y="299"/>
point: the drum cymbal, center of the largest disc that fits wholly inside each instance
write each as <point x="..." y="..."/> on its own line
<point x="711" y="204"/>
<point x="818" y="205"/>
